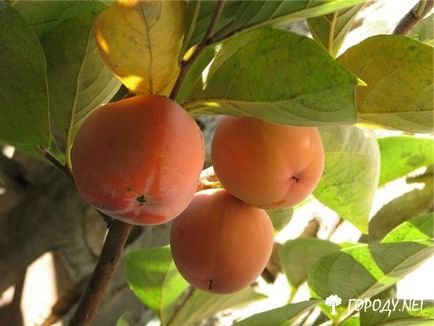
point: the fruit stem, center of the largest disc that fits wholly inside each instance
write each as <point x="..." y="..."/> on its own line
<point x="186" y="65"/>
<point x="100" y="279"/>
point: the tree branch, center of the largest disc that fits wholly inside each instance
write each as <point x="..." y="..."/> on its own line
<point x="100" y="279"/>
<point x="413" y="17"/>
<point x="186" y="65"/>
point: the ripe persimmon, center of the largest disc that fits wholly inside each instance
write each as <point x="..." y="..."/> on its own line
<point x="219" y="243"/>
<point x="265" y="164"/>
<point x="138" y="159"/>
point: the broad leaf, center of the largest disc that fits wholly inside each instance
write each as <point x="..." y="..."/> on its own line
<point x="404" y="154"/>
<point x="78" y="79"/>
<point x="23" y="85"/>
<point x="143" y="47"/>
<point x="420" y="228"/>
<point x="401" y="209"/>
<point x="202" y="304"/>
<point x="255" y="14"/>
<point x="424" y="31"/>
<point x="406" y="313"/>
<point x="154" y="279"/>
<point x="44" y="16"/>
<point x="363" y="271"/>
<point x="398" y="72"/>
<point x="350" y="178"/>
<point x="283" y="316"/>
<point x="280" y="217"/>
<point x="330" y="30"/>
<point x="277" y="76"/>
<point x="297" y="257"/>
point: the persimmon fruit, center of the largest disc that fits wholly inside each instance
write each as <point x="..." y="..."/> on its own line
<point x="138" y="159"/>
<point x="219" y="243"/>
<point x="265" y="164"/>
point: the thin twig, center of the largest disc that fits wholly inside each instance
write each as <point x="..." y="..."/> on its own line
<point x="50" y="157"/>
<point x="100" y="279"/>
<point x="413" y="17"/>
<point x="186" y="65"/>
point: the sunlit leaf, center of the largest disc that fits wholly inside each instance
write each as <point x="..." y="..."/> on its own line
<point x="420" y="228"/>
<point x="404" y="154"/>
<point x="276" y="76"/>
<point x="352" y="168"/>
<point x="283" y="316"/>
<point x="398" y="72"/>
<point x="154" y="279"/>
<point x="143" y="46"/>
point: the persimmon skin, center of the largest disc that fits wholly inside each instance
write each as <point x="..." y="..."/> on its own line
<point x="221" y="244"/>
<point x="138" y="159"/>
<point x="265" y="164"/>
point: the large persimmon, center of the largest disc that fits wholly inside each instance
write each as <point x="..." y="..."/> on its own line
<point x="221" y="244"/>
<point x="138" y="159"/>
<point x="265" y="164"/>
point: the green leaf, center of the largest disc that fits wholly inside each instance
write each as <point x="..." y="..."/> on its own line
<point x="297" y="257"/>
<point x="201" y="305"/>
<point x="406" y="313"/>
<point x="255" y="14"/>
<point x="350" y="178"/>
<point x="154" y="279"/>
<point x="44" y="16"/>
<point x="363" y="270"/>
<point x="404" y="154"/>
<point x="424" y="31"/>
<point x="283" y="316"/>
<point x="401" y="209"/>
<point x="23" y="85"/>
<point x="78" y="79"/>
<point x="420" y="228"/>
<point x="280" y="217"/>
<point x="398" y="72"/>
<point x="277" y="76"/>
<point x="330" y="30"/>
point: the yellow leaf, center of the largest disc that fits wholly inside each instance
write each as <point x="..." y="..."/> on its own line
<point x="140" y="41"/>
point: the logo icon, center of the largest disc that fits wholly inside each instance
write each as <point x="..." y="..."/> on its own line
<point x="333" y="301"/>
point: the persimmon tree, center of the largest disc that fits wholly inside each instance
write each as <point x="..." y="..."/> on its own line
<point x="310" y="110"/>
